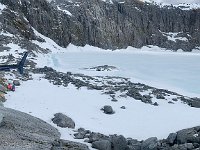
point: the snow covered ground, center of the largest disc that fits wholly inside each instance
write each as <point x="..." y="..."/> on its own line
<point x="151" y="65"/>
<point x="174" y="71"/>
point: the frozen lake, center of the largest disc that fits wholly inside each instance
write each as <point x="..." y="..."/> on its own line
<point x="178" y="72"/>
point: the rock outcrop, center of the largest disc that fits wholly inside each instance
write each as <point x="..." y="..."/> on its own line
<point x="98" y="23"/>
<point x="24" y="132"/>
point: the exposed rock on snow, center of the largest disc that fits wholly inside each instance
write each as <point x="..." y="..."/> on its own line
<point x="108" y="109"/>
<point x="16" y="82"/>
<point x="103" y="68"/>
<point x="63" y="121"/>
<point x="114" y="85"/>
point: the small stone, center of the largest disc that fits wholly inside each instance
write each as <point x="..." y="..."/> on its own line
<point x="175" y="99"/>
<point x="155" y="104"/>
<point x="114" y="100"/>
<point x="123" y="107"/>
<point x="170" y="102"/>
<point x="159" y="96"/>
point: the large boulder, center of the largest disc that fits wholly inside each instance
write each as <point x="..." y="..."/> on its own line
<point x="150" y="144"/>
<point x="102" y="145"/>
<point x="20" y="131"/>
<point x="119" y="142"/>
<point x="189" y="135"/>
<point x="63" y="121"/>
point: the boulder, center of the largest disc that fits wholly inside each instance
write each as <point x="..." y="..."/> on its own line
<point x="119" y="142"/>
<point x="171" y="138"/>
<point x="20" y="131"/>
<point x="134" y="144"/>
<point x="194" y="102"/>
<point x="102" y="145"/>
<point x="150" y="144"/>
<point x="96" y="137"/>
<point x="63" y="121"/>
<point x="108" y="109"/>
<point x="16" y="82"/>
<point x="187" y="136"/>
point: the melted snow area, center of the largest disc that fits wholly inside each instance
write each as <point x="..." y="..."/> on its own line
<point x="153" y="66"/>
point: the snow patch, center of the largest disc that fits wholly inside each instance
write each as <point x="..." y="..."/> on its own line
<point x="174" y="36"/>
<point x="6" y="34"/>
<point x="2" y="7"/>
<point x="65" y="11"/>
<point x="186" y="6"/>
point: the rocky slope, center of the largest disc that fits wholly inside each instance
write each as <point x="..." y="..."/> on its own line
<point x="108" y="25"/>
<point x="20" y="131"/>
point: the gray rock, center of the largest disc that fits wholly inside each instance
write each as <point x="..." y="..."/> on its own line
<point x="63" y="121"/>
<point x="102" y="145"/>
<point x="16" y="82"/>
<point x="68" y="145"/>
<point x="123" y="107"/>
<point x="97" y="137"/>
<point x="159" y="96"/>
<point x="189" y="146"/>
<point x="108" y="109"/>
<point x="155" y="104"/>
<point x="103" y="68"/>
<point x="175" y="99"/>
<point x="171" y="138"/>
<point x="1" y="118"/>
<point x="170" y="102"/>
<point x="195" y="102"/>
<point x="79" y="135"/>
<point x="150" y="144"/>
<point x="119" y="142"/>
<point x="187" y="136"/>
<point x="134" y="145"/>
<point x="20" y="131"/>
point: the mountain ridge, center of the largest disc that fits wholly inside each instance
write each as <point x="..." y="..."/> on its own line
<point x="102" y="24"/>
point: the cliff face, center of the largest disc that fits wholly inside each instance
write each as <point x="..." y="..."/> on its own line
<point x="104" y="24"/>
